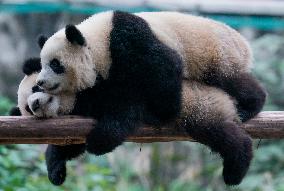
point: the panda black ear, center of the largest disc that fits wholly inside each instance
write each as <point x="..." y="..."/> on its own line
<point x="15" y="111"/>
<point x="74" y="36"/>
<point x="31" y="65"/>
<point x="41" y="41"/>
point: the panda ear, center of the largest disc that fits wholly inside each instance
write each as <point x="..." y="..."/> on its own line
<point x="41" y="41"/>
<point x="15" y="111"/>
<point x="74" y="36"/>
<point x="31" y="65"/>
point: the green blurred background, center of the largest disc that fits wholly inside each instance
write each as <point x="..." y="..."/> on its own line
<point x="176" y="166"/>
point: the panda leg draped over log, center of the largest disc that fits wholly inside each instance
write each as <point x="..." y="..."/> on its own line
<point x="208" y="114"/>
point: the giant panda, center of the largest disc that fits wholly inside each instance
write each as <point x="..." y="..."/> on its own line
<point x="143" y="58"/>
<point x="208" y="114"/>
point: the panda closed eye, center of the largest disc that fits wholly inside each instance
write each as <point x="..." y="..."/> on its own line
<point x="50" y="100"/>
<point x="56" y="66"/>
<point x="36" y="88"/>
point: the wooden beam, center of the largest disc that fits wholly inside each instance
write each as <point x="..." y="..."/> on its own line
<point x="73" y="129"/>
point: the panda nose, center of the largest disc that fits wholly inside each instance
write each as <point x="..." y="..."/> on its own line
<point x="35" y="105"/>
<point x="40" y="82"/>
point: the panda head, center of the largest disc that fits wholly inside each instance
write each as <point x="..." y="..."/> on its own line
<point x="31" y="98"/>
<point x="66" y="62"/>
<point x="44" y="105"/>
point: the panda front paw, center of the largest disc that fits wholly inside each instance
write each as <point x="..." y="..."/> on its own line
<point x="57" y="173"/>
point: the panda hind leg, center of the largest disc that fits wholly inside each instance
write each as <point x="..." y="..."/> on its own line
<point x="56" y="158"/>
<point x="231" y="142"/>
<point x="247" y="91"/>
<point x="210" y="117"/>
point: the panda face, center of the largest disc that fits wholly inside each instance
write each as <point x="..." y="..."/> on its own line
<point x="52" y="77"/>
<point x="66" y="62"/>
<point x="33" y="101"/>
<point x="44" y="105"/>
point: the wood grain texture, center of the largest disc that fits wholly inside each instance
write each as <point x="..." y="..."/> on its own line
<point x="73" y="129"/>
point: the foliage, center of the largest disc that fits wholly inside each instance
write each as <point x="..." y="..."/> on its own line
<point x="269" y="68"/>
<point x="24" y="169"/>
<point x="5" y="105"/>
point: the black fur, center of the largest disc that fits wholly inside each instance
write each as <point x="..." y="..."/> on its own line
<point x="56" y="66"/>
<point x="36" y="88"/>
<point x="41" y="41"/>
<point x="15" y="111"/>
<point x="140" y="62"/>
<point x="31" y="65"/>
<point x="27" y="108"/>
<point x="248" y="92"/>
<point x="227" y="139"/>
<point x="74" y="36"/>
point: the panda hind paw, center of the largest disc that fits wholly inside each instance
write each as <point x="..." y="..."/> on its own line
<point x="57" y="174"/>
<point x="236" y="166"/>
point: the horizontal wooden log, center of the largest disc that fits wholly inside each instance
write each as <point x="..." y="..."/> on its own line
<point x="73" y="130"/>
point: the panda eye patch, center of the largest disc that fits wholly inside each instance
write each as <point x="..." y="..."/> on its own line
<point x="36" y="88"/>
<point x="50" y="100"/>
<point x="56" y="66"/>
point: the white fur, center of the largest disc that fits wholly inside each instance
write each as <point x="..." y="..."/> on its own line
<point x="81" y="63"/>
<point x="201" y="42"/>
<point x="62" y="104"/>
<point x="24" y="91"/>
